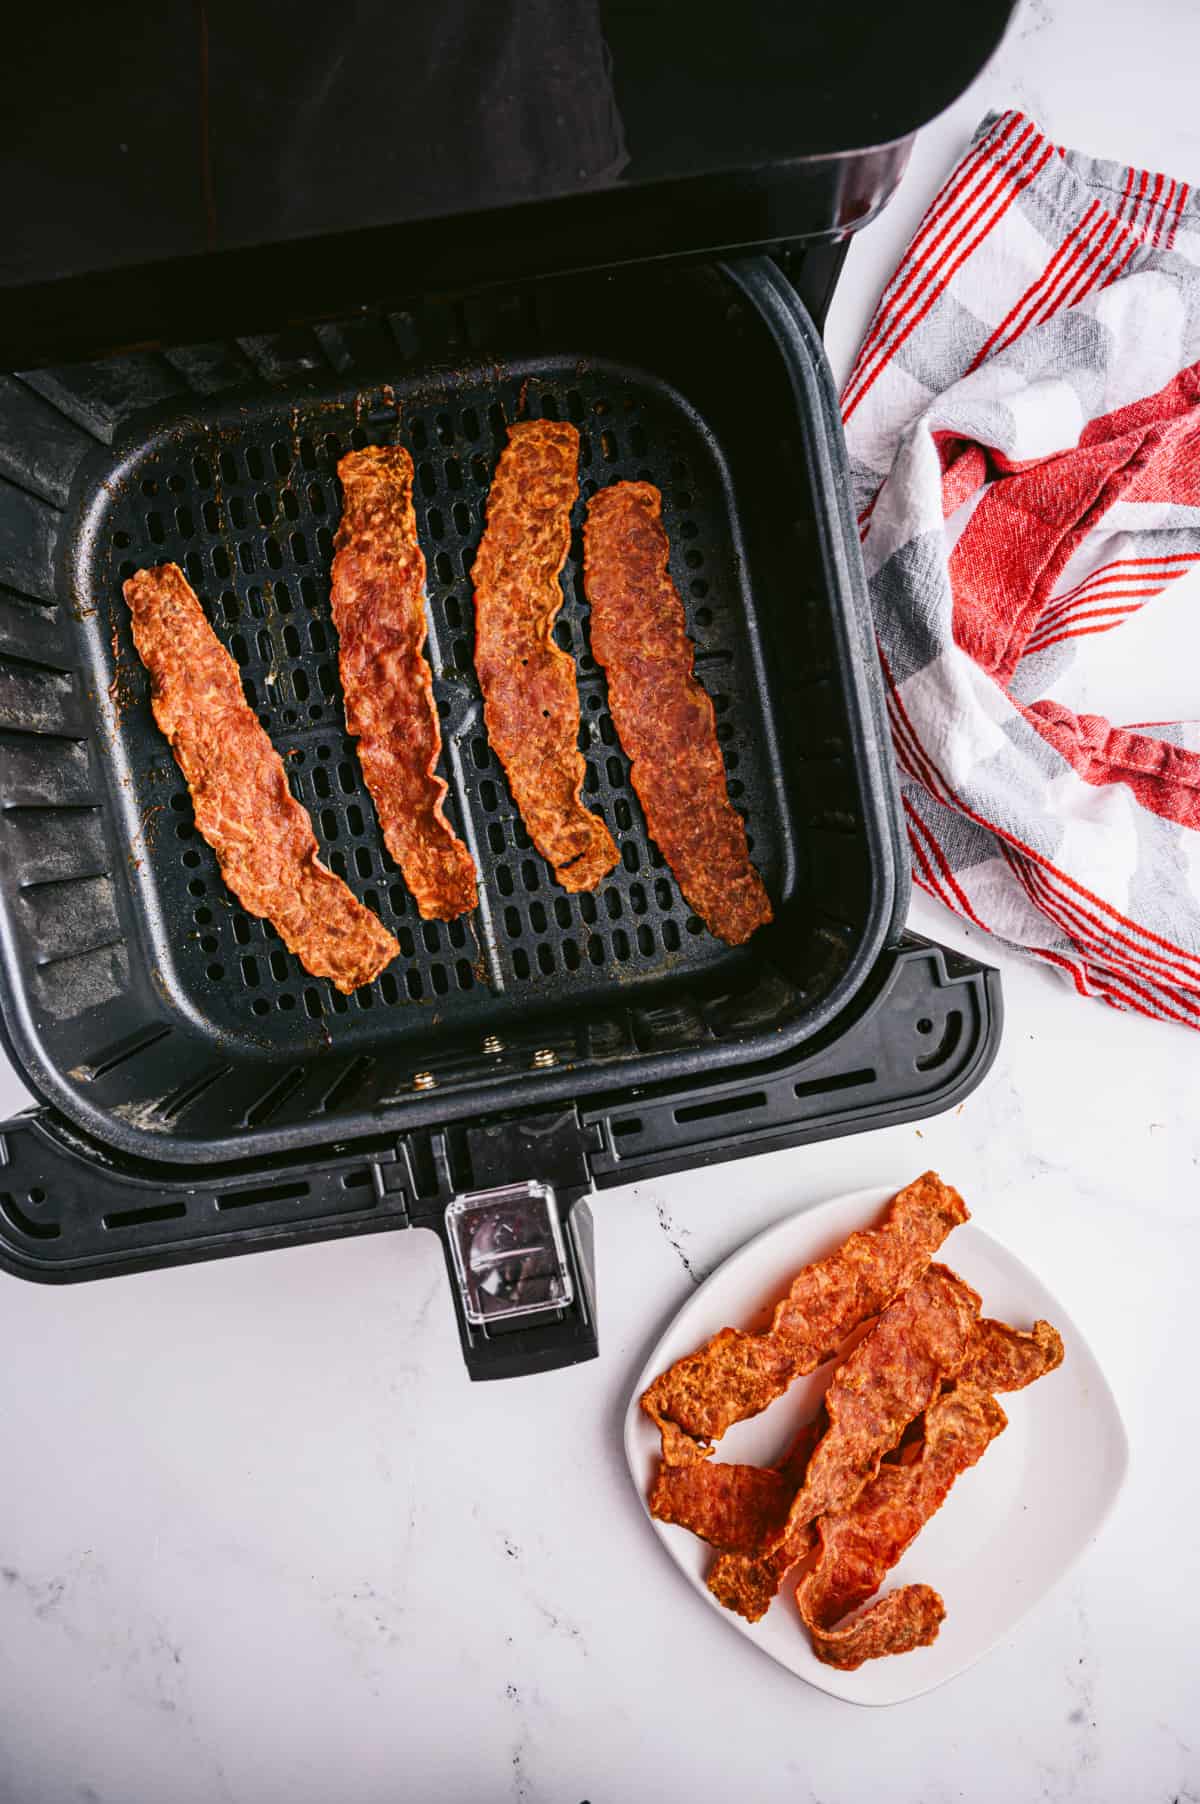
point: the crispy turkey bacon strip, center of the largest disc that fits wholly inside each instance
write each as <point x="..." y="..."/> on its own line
<point x="998" y="1358"/>
<point x="734" y="1507"/>
<point x="262" y="837"/>
<point x="736" y="1374"/>
<point x="663" y="715"/>
<point x="906" y="1618"/>
<point x="378" y="603"/>
<point x="530" y="701"/>
<point x="859" y="1546"/>
<point x="1001" y="1358"/>
<point x="891" y="1377"/>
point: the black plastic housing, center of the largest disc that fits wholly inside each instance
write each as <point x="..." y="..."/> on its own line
<point x="200" y="171"/>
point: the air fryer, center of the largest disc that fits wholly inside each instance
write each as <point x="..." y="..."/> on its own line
<point x="567" y="212"/>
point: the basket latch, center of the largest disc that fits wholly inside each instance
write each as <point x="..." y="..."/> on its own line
<point x="518" y="1242"/>
<point x="508" y="1254"/>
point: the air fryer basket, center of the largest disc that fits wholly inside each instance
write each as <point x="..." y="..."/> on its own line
<point x="161" y="1019"/>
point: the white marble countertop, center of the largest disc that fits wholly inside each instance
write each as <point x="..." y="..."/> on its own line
<point x="261" y="1540"/>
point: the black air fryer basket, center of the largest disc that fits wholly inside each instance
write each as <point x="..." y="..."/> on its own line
<point x="202" y="1094"/>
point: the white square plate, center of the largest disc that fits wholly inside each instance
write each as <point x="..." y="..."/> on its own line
<point x="1012" y="1525"/>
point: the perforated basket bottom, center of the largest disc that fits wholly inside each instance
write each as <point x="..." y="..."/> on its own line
<point x="243" y="495"/>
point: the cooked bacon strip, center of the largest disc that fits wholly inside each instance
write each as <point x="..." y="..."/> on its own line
<point x="747" y="1583"/>
<point x="734" y="1507"/>
<point x="890" y="1378"/>
<point x="662" y="714"/>
<point x="859" y="1546"/>
<point x="736" y="1374"/>
<point x="261" y="835"/>
<point x="378" y="601"/>
<point x="530" y="701"/>
<point x="999" y="1358"/>
<point x="899" y="1622"/>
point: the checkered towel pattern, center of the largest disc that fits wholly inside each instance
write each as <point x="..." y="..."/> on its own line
<point x="1024" y="431"/>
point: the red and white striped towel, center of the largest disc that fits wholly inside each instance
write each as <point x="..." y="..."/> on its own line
<point x="1024" y="430"/>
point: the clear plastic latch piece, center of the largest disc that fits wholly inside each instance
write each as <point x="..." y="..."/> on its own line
<point x="508" y="1253"/>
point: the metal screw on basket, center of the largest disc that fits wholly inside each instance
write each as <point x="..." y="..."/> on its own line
<point x="544" y="1058"/>
<point x="424" y="1080"/>
<point x="493" y="1043"/>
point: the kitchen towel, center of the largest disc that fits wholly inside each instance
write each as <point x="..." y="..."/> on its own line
<point x="1024" y="430"/>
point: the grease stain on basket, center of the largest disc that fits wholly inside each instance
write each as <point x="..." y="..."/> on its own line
<point x="144" y="1116"/>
